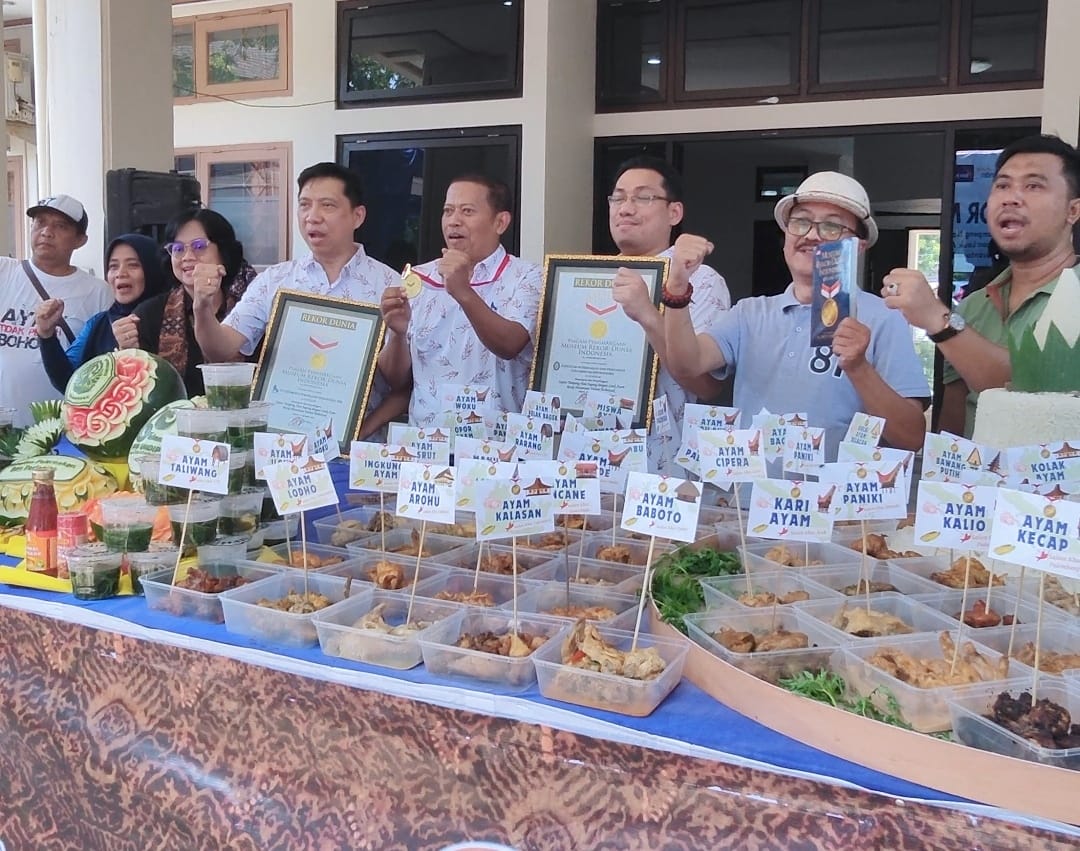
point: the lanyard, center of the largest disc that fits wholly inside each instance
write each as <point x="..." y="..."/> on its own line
<point x="498" y="274"/>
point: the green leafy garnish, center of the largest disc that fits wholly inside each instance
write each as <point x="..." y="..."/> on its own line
<point x="827" y="687"/>
<point x="675" y="587"/>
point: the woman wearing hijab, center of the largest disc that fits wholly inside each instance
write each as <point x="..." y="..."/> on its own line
<point x="134" y="271"/>
<point x="165" y="325"/>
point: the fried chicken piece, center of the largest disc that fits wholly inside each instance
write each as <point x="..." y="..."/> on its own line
<point x="979" y="617"/>
<point x="782" y="554"/>
<point x="296" y="559"/>
<point x="585" y="648"/>
<point x="1050" y="661"/>
<point x="469" y="598"/>
<point x="297" y="603"/>
<point x="877" y="546"/>
<point x="619" y="553"/>
<point x="735" y="640"/>
<point x="387" y="575"/>
<point x="1055" y="594"/>
<point x="781" y="639"/>
<point x="979" y="576"/>
<point x="861" y="587"/>
<point x="869" y="623"/>
<point x="589" y="613"/>
<point x="501" y="563"/>
<point x="763" y="599"/>
<point x="1045" y="723"/>
<point x="971" y="666"/>
<point x="382" y="521"/>
<point x="347" y="531"/>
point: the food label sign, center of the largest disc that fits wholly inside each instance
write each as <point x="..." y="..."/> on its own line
<point x="790" y="511"/>
<point x="607" y="455"/>
<point x="661" y="507"/>
<point x="1037" y="531"/>
<point x="731" y="456"/>
<point x="774" y="430"/>
<point x="866" y="491"/>
<point x="374" y="466"/>
<point x="465" y="398"/>
<point x="696" y="419"/>
<point x="192" y="465"/>
<point x="804" y="450"/>
<point x="426" y="492"/>
<point x="468" y="447"/>
<point x="507" y="508"/>
<point x="428" y="445"/>
<point x="865" y="429"/>
<point x="946" y="456"/>
<point x="954" y="515"/>
<point x="302" y="486"/>
<point x="271" y="449"/>
<point x="1050" y="463"/>
<point x="471" y="472"/>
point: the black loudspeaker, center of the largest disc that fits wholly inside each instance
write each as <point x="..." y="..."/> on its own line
<point x="144" y="202"/>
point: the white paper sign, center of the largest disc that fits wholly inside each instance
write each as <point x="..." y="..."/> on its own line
<point x="609" y="455"/>
<point x="429" y="445"/>
<point x="194" y="465"/>
<point x="946" y="456"/>
<point x="495" y="423"/>
<point x="865" y="429"/>
<point x="857" y="454"/>
<point x="534" y="439"/>
<point x="661" y="415"/>
<point x="698" y="418"/>
<point x="512" y="507"/>
<point x="278" y="448"/>
<point x="543" y="407"/>
<point x="472" y="472"/>
<point x="463" y="398"/>
<point x="730" y="456"/>
<point x="661" y="507"/>
<point x="774" y="431"/>
<point x="1050" y="462"/>
<point x="866" y="491"/>
<point x="790" y="510"/>
<point x="954" y="515"/>
<point x="1037" y="531"/>
<point x="301" y="486"/>
<point x="573" y="493"/>
<point x="374" y="466"/>
<point x="804" y="450"/>
<point x="426" y="492"/>
<point x="468" y="447"/>
<point x="606" y="408"/>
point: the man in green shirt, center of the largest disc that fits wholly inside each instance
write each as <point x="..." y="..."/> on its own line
<point x="1033" y="206"/>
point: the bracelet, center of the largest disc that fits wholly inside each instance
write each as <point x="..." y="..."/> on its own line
<point x="676" y="302"/>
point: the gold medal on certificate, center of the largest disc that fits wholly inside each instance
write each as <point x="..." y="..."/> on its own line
<point x="410" y="282"/>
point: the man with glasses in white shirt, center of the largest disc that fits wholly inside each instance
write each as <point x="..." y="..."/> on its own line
<point x="644" y="209"/>
<point x="765" y="341"/>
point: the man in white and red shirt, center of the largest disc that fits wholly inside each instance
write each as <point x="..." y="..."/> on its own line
<point x="644" y="209"/>
<point x="471" y="321"/>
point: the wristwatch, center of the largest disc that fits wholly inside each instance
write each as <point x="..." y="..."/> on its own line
<point x="955" y="325"/>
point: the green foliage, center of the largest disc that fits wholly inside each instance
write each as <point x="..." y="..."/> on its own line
<point x="675" y="586"/>
<point x="827" y="687"/>
<point x="367" y="74"/>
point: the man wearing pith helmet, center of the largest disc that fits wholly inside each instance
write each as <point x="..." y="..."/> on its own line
<point x="765" y="341"/>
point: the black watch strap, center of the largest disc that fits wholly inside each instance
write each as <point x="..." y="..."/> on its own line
<point x="954" y="326"/>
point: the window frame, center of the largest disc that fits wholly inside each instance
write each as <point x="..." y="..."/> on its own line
<point x="209" y="155"/>
<point x="203" y="25"/>
<point x="968" y="80"/>
<point x="670" y="45"/>
<point x="344" y="99"/>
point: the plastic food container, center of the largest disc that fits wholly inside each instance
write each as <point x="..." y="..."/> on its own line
<point x="756" y="557"/>
<point x="610" y="692"/>
<point x="241" y="470"/>
<point x="340" y="636"/>
<point x="338" y="530"/>
<point x="723" y="592"/>
<point x="244" y="423"/>
<point x="601" y="522"/>
<point x="201" y="424"/>
<point x="773" y="665"/>
<point x="362" y="566"/>
<point x="928" y="565"/>
<point x="406" y="542"/>
<point x="154" y="560"/>
<point x="918" y="616"/>
<point x="495" y="555"/>
<point x="279" y="531"/>
<point x="464" y="525"/>
<point x="240" y="513"/>
<point x="596" y="545"/>
<point x="1056" y="637"/>
<point x="1002" y="603"/>
<point x="844" y="578"/>
<point x="618" y="578"/>
<point x="505" y="674"/>
<point x="244" y="616"/>
<point x="163" y="596"/>
<point x="452" y="581"/>
<point x="228" y="385"/>
<point x="543" y="599"/>
<point x="291" y="555"/>
<point x="94" y="575"/>
<point x="969" y="706"/>
<point x="127" y="524"/>
<point x="924" y="709"/>
<point x="154" y="492"/>
<point x="201" y="515"/>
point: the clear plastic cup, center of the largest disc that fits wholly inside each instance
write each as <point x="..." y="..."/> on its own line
<point x="154" y="492"/>
<point x="241" y="470"/>
<point x="222" y="552"/>
<point x="202" y="522"/>
<point x="158" y="557"/>
<point x="243" y="424"/>
<point x="127" y="524"/>
<point x="240" y="513"/>
<point x="94" y="575"/>
<point x="201" y="424"/>
<point x="228" y="385"/>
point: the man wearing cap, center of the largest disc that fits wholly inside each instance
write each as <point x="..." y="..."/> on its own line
<point x="644" y="208"/>
<point x="765" y="341"/>
<point x="58" y="228"/>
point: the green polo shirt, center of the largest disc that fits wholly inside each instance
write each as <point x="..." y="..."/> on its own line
<point x="987" y="312"/>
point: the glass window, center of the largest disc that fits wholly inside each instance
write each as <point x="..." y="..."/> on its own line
<point x="232" y="54"/>
<point x="633" y="55"/>
<point x="886" y="42"/>
<point x="183" y="60"/>
<point x="1005" y="40"/>
<point x="429" y="48"/>
<point x="742" y="45"/>
<point x="185" y="164"/>
<point x="405" y="176"/>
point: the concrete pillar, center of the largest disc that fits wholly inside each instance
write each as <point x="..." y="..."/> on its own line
<point x="1061" y="83"/>
<point x="107" y="100"/>
<point x="6" y="248"/>
<point x="557" y="134"/>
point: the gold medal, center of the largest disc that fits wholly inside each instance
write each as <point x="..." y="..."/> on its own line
<point x="830" y="312"/>
<point x="410" y="282"/>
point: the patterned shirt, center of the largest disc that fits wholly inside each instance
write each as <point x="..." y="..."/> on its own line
<point x="362" y="279"/>
<point x="446" y="350"/>
<point x="711" y="298"/>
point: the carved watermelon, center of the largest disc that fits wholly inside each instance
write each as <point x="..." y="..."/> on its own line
<point x="76" y="480"/>
<point x="110" y="397"/>
<point x="148" y="440"/>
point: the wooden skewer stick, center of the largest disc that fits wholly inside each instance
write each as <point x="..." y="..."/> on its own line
<point x="1016" y="618"/>
<point x="382" y="519"/>
<point x="479" y="561"/>
<point x="580" y="553"/>
<point x="963" y="608"/>
<point x="645" y="591"/>
<point x="303" y="553"/>
<point x="513" y="555"/>
<point x="864" y="564"/>
<point x="742" y="539"/>
<point x="1038" y="639"/>
<point x="183" y="533"/>
<point x="416" y="572"/>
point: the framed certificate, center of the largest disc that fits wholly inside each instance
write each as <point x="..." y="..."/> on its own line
<point x="585" y="342"/>
<point x="317" y="364"/>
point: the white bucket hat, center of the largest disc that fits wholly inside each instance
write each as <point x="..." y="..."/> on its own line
<point x="830" y="187"/>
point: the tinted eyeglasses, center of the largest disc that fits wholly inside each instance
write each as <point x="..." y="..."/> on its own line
<point x="638" y="199"/>
<point x="197" y="246"/>
<point x="827" y="230"/>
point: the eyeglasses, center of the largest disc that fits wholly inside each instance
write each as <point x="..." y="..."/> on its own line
<point x="827" y="230"/>
<point x="197" y="246"/>
<point x="638" y="200"/>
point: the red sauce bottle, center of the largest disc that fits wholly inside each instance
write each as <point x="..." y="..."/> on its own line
<point x="41" y="525"/>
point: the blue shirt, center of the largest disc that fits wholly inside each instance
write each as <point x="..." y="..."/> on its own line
<point x="765" y="341"/>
